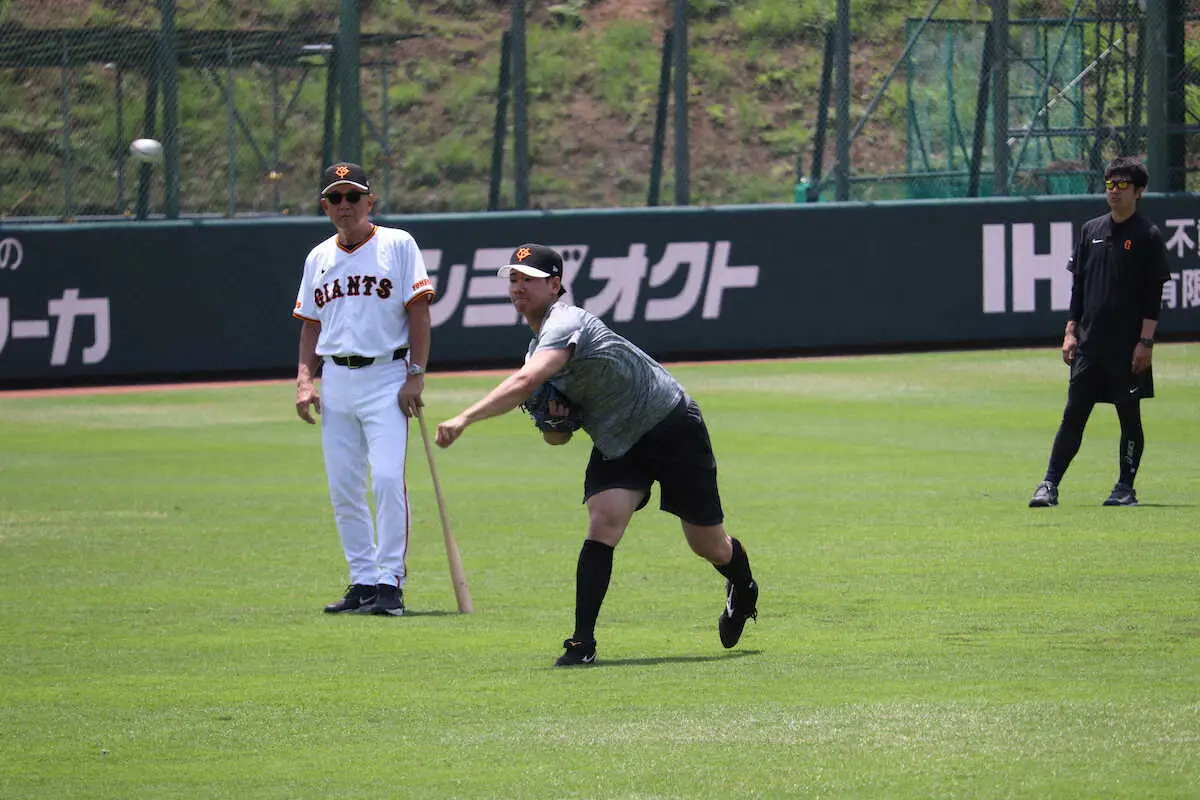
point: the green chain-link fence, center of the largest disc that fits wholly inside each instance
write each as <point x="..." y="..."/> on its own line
<point x="245" y="95"/>
<point x="1070" y="105"/>
<point x="74" y="99"/>
<point x="944" y="124"/>
<point x="1077" y="92"/>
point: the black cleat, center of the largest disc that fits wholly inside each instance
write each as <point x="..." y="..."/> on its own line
<point x="389" y="601"/>
<point x="1122" y="495"/>
<point x="1045" y="495"/>
<point x="358" y="597"/>
<point x="739" y="607"/>
<point x="579" y="654"/>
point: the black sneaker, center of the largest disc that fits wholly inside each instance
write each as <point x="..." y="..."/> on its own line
<point x="739" y="607"/>
<point x="358" y="597"/>
<point x="1046" y="494"/>
<point x="389" y="601"/>
<point x="1122" y="495"/>
<point x="578" y="654"/>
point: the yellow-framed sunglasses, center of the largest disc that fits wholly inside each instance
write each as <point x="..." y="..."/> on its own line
<point x="1110" y="185"/>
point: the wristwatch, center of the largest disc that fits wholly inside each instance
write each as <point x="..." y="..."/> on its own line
<point x="1146" y="341"/>
<point x="416" y="369"/>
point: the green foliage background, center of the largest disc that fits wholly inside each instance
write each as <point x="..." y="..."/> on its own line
<point x="592" y="80"/>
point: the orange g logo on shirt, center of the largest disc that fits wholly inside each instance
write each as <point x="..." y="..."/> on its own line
<point x="1129" y="244"/>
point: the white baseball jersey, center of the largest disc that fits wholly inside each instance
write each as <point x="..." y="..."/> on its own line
<point x="359" y="296"/>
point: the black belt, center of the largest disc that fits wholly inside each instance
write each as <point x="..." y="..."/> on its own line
<point x="355" y="362"/>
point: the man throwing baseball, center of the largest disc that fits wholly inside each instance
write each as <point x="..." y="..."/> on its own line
<point x="644" y="428"/>
<point x="364" y="301"/>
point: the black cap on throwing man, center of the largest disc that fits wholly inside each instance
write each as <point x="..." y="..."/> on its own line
<point x="534" y="260"/>
<point x="345" y="172"/>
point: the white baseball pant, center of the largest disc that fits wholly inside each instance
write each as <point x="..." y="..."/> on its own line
<point x="362" y="428"/>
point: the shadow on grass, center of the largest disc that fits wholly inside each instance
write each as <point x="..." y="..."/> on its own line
<point x="1139" y="505"/>
<point x="408" y="612"/>
<point x="1165" y="505"/>
<point x="649" y="662"/>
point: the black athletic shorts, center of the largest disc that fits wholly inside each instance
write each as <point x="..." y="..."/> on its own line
<point x="1109" y="380"/>
<point x="678" y="454"/>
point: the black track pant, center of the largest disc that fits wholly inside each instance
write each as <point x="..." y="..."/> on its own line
<point x="1081" y="399"/>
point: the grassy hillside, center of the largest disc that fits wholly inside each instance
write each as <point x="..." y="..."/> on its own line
<point x="593" y="74"/>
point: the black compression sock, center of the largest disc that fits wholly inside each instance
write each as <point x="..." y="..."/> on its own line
<point x="591" y="584"/>
<point x="737" y="571"/>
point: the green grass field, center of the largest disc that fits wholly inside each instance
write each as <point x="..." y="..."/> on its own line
<point x="164" y="557"/>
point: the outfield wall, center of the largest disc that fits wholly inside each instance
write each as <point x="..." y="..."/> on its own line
<point x="93" y="301"/>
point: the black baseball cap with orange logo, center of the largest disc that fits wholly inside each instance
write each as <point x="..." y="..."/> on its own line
<point x="347" y="173"/>
<point x="534" y="260"/>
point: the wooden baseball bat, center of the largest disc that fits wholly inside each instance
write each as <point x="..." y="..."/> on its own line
<point x="459" y="578"/>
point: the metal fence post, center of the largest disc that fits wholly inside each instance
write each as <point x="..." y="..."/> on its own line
<point x="679" y="43"/>
<point x="350" y="138"/>
<point x="981" y="104"/>
<point x="168" y="56"/>
<point x="812" y="192"/>
<point x="149" y="129"/>
<point x="1000" y="97"/>
<point x="500" y="124"/>
<point x="843" y="100"/>
<point x="121" y="144"/>
<point x="520" y="102"/>
<point x="68" y="161"/>
<point x="1156" y="92"/>
<point x="658" y="144"/>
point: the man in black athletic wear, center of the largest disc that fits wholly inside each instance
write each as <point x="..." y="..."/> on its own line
<point x="1119" y="268"/>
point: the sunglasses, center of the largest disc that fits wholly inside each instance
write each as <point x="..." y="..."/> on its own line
<point x="336" y="197"/>
<point x="1110" y="185"/>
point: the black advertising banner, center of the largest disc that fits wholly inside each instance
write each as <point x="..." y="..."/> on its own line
<point x="147" y="299"/>
<point x="124" y="299"/>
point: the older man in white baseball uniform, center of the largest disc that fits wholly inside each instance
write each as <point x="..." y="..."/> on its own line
<point x="364" y="303"/>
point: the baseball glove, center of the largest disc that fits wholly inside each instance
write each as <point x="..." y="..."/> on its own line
<point x="537" y="406"/>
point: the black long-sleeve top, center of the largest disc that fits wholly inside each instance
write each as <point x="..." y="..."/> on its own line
<point x="1119" y="270"/>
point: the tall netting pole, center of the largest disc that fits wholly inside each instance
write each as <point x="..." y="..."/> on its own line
<point x="843" y="100"/>
<point x="350" y="134"/>
<point x="679" y="44"/>
<point x="168" y="59"/>
<point x="519" y="106"/>
<point x="1176" y="71"/>
<point x="1000" y="97"/>
<point x="68" y="155"/>
<point x="1159" y="100"/>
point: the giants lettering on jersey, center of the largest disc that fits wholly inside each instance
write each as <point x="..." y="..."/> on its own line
<point x="355" y="285"/>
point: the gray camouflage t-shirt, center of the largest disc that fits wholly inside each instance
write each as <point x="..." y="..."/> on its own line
<point x="622" y="392"/>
